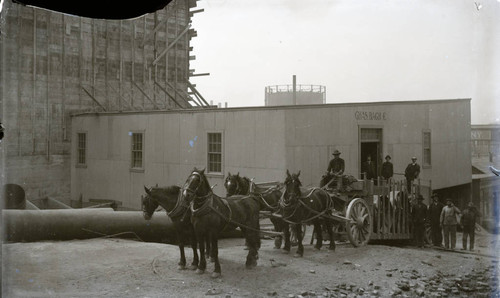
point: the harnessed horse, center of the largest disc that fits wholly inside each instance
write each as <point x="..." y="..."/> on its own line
<point x="169" y="198"/>
<point x="313" y="206"/>
<point x="210" y="214"/>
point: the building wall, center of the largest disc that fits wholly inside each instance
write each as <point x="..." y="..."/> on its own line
<point x="253" y="145"/>
<point x="262" y="143"/>
<point x="312" y="134"/>
<point x="52" y="65"/>
<point x="485" y="141"/>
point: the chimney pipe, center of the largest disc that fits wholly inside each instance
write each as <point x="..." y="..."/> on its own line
<point x="294" y="89"/>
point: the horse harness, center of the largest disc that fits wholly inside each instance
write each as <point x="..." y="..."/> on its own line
<point x="283" y="206"/>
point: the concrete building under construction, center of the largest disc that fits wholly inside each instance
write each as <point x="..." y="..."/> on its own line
<point x="53" y="65"/>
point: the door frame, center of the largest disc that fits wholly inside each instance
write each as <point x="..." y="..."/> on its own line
<point x="381" y="146"/>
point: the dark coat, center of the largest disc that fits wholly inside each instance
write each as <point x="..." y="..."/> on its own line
<point x="369" y="169"/>
<point x="419" y="213"/>
<point x="434" y="213"/>
<point x="387" y="170"/>
<point x="469" y="217"/>
<point x="412" y="171"/>
<point x="336" y="165"/>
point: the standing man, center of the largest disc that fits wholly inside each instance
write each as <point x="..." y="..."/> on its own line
<point x="335" y="168"/>
<point x="387" y="168"/>
<point x="411" y="172"/>
<point x="448" y="220"/>
<point x="419" y="216"/>
<point x="434" y="215"/>
<point x="468" y="223"/>
<point x="369" y="169"/>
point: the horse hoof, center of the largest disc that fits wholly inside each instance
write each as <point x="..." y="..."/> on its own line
<point x="285" y="251"/>
<point x="317" y="248"/>
<point x="181" y="267"/>
<point x="193" y="267"/>
<point x="215" y="275"/>
<point x="331" y="248"/>
<point x="276" y="247"/>
<point x="251" y="265"/>
<point x="297" y="255"/>
<point x="199" y="271"/>
<point x="246" y="248"/>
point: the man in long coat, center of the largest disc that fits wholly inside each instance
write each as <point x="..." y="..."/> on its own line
<point x="369" y="169"/>
<point x="419" y="216"/>
<point x="387" y="168"/>
<point x="434" y="215"/>
<point x="411" y="173"/>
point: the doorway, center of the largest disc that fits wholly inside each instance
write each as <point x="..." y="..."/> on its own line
<point x="370" y="145"/>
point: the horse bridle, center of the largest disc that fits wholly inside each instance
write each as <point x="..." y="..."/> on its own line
<point x="194" y="192"/>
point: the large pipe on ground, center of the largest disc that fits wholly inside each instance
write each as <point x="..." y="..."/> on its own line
<point x="68" y="224"/>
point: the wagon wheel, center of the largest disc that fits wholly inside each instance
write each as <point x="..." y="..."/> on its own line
<point x="359" y="222"/>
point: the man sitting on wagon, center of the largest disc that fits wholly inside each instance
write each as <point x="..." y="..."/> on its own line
<point x="335" y="170"/>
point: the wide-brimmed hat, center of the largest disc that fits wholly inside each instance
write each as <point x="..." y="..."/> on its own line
<point x="413" y="158"/>
<point x="336" y="152"/>
<point x="387" y="157"/>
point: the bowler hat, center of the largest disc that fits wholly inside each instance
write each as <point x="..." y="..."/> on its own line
<point x="336" y="152"/>
<point x="388" y="157"/>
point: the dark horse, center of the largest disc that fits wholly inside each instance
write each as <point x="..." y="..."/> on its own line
<point x="236" y="185"/>
<point x="297" y="207"/>
<point x="211" y="214"/>
<point x="269" y="199"/>
<point x="179" y="213"/>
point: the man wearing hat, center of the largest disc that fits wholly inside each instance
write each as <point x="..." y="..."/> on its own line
<point x="468" y="223"/>
<point x="335" y="168"/>
<point x="387" y="168"/>
<point x="434" y="214"/>
<point x="419" y="217"/>
<point x="411" y="172"/>
<point x="448" y="220"/>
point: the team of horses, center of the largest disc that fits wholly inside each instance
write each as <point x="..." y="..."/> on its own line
<point x="199" y="215"/>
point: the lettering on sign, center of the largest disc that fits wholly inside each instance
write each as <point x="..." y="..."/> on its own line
<point x="361" y="115"/>
<point x="480" y="134"/>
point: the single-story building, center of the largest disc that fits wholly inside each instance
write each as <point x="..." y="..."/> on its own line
<point x="116" y="153"/>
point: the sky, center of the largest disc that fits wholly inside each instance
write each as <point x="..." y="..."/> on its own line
<point x="361" y="50"/>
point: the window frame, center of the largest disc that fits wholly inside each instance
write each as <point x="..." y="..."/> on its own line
<point x="143" y="155"/>
<point x="78" y="163"/>
<point x="424" y="148"/>
<point x="208" y="171"/>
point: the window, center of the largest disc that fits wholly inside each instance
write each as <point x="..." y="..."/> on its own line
<point x="426" y="142"/>
<point x="137" y="151"/>
<point x="214" y="153"/>
<point x="82" y="148"/>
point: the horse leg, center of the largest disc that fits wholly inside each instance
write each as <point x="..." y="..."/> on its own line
<point x="194" y="247"/>
<point x="278" y="240"/>
<point x="180" y="239"/>
<point x="215" y="253"/>
<point x="209" y="251"/>
<point x="329" y="228"/>
<point x="286" y="230"/>
<point x="244" y="232"/>
<point x="319" y="234"/>
<point x="201" y="243"/>
<point x="253" y="240"/>
<point x="298" y="233"/>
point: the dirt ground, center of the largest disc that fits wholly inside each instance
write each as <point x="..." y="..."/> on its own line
<point x="127" y="268"/>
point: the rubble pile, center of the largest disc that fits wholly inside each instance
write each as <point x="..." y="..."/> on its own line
<point x="411" y="283"/>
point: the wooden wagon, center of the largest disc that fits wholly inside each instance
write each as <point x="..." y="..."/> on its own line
<point x="371" y="210"/>
<point x="374" y="210"/>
